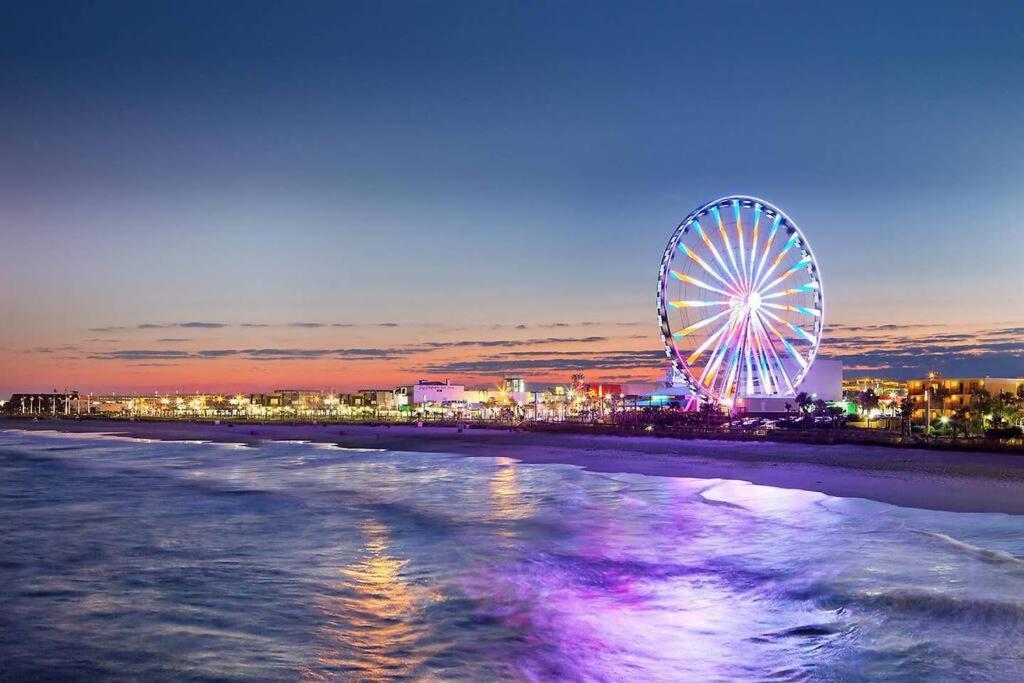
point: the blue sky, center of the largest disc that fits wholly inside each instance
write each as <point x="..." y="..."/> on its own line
<point x="492" y="164"/>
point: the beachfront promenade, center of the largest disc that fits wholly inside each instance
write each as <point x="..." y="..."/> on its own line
<point x="821" y="435"/>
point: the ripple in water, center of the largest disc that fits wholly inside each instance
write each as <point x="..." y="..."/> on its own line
<point x="126" y="559"/>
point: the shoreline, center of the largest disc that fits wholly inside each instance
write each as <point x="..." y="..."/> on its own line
<point x="955" y="481"/>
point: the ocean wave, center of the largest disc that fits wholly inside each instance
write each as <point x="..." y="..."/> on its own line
<point x="939" y="605"/>
<point x="985" y="554"/>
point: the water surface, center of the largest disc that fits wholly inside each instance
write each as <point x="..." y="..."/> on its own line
<point x="133" y="559"/>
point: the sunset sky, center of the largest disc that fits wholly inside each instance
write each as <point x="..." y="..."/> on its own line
<point x="242" y="196"/>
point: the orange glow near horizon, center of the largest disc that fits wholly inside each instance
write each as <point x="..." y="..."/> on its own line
<point x="233" y="360"/>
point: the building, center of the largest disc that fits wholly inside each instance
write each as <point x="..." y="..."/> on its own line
<point x="882" y="386"/>
<point x="379" y="399"/>
<point x="425" y="392"/>
<point x="296" y="399"/>
<point x="945" y="395"/>
<point x="823" y="382"/>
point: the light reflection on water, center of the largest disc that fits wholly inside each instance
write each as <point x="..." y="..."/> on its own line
<point x="188" y="560"/>
<point x="372" y="618"/>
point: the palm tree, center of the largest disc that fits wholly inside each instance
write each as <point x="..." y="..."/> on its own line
<point x="804" y="402"/>
<point x="937" y="393"/>
<point x="867" y="401"/>
<point x="906" y="411"/>
<point x="961" y="421"/>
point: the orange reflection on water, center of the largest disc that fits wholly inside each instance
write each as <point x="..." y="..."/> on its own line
<point x="507" y="496"/>
<point x="372" y="619"/>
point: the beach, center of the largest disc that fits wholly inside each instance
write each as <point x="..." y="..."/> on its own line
<point x="933" y="480"/>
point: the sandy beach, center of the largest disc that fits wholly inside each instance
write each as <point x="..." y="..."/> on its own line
<point x="936" y="480"/>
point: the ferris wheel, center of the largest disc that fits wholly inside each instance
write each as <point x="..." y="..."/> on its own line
<point x="740" y="301"/>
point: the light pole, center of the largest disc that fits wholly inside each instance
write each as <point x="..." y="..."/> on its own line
<point x="927" y="412"/>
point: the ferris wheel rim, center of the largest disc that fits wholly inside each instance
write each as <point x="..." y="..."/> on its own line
<point x="672" y="350"/>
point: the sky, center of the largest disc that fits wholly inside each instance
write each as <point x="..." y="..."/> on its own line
<point x="249" y="195"/>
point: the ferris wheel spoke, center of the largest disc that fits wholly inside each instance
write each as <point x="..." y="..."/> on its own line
<point x="717" y="362"/>
<point x="697" y="283"/>
<point x="718" y="355"/>
<point x="794" y="268"/>
<point x="700" y="324"/>
<point x="775" y="264"/>
<point x="763" y="362"/>
<point x="703" y="264"/>
<point x="709" y="341"/>
<point x="725" y="239"/>
<point x="809" y="287"/>
<point x="739" y="239"/>
<point x="796" y="309"/>
<point x="766" y="342"/>
<point x="734" y="365"/>
<point x="753" y="242"/>
<point x="750" y="369"/>
<point x="785" y="342"/>
<point x="799" y="330"/>
<point x="767" y="247"/>
<point x="714" y="252"/>
<point x="697" y="304"/>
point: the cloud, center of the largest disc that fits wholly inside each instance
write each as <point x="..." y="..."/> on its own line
<point x="840" y="327"/>
<point x="54" y="349"/>
<point x="387" y="324"/>
<point x="216" y="353"/>
<point x="160" y="326"/>
<point x="494" y="343"/>
<point x="911" y="354"/>
<point x="339" y="353"/>
<point x="307" y="325"/>
<point x="173" y="340"/>
<point x="615" y="360"/>
<point x="1006" y="332"/>
<point x="139" y="354"/>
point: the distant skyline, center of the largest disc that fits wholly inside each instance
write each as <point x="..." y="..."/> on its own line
<point x="250" y="195"/>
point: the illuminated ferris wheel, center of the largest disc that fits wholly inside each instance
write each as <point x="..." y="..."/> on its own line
<point x="740" y="301"/>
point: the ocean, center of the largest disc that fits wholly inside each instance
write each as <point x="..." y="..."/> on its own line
<point x="130" y="559"/>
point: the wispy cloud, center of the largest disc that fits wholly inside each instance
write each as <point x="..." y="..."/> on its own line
<point x="139" y="354"/>
<point x="340" y="353"/>
<point x="613" y="360"/>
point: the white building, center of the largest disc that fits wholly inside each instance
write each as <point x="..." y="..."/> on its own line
<point x="425" y="392"/>
<point x="823" y="381"/>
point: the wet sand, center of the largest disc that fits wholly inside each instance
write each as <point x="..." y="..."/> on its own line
<point x="936" y="480"/>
